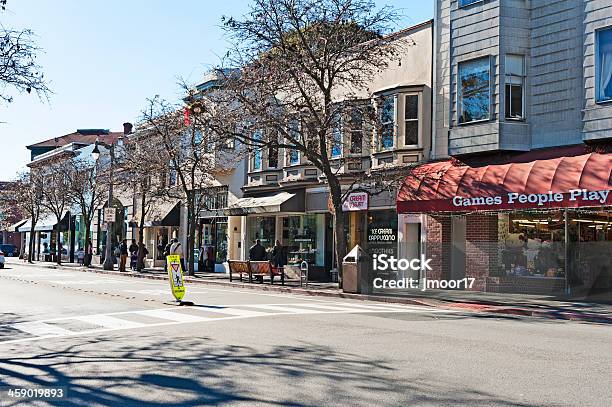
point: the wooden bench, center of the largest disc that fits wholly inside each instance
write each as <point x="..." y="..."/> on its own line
<point x="255" y="268"/>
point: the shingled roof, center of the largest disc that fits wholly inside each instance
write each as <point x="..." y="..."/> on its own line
<point x="84" y="136"/>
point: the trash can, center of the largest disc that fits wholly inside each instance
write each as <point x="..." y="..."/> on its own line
<point x="352" y="270"/>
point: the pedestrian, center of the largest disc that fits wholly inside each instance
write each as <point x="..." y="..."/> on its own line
<point x="257" y="252"/>
<point x="123" y="252"/>
<point x="279" y="257"/>
<point x="133" y="250"/>
<point x="80" y="256"/>
<point x="201" y="259"/>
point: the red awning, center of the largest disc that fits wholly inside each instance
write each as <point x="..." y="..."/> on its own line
<point x="583" y="180"/>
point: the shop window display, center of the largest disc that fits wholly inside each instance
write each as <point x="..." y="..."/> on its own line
<point x="534" y="244"/>
<point x="299" y="236"/>
<point x="262" y="228"/>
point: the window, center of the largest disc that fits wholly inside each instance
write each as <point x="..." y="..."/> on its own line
<point x="387" y="123"/>
<point x="257" y="156"/>
<point x="463" y="3"/>
<point x="273" y="156"/>
<point x="515" y="83"/>
<point x="222" y="199"/>
<point x="293" y="155"/>
<point x="474" y="90"/>
<point x="336" y="147"/>
<point x="411" y="120"/>
<point x="172" y="175"/>
<point x="603" y="70"/>
<point x="356" y="130"/>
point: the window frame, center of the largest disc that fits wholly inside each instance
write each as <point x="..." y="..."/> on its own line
<point x="597" y="33"/>
<point x="417" y="119"/>
<point x="383" y="98"/>
<point x="462" y="5"/>
<point x="336" y="137"/>
<point x="353" y="128"/>
<point x="523" y="79"/>
<point x="257" y="152"/>
<point x="459" y="102"/>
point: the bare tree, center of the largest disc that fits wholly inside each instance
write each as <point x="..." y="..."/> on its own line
<point x="86" y="190"/>
<point x="54" y="194"/>
<point x="303" y="64"/>
<point x="187" y="155"/>
<point x="143" y="174"/>
<point x="26" y="195"/>
<point x="18" y="67"/>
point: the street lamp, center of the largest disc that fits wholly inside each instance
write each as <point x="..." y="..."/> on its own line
<point x="109" y="259"/>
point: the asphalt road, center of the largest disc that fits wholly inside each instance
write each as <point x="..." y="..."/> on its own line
<point x="120" y="341"/>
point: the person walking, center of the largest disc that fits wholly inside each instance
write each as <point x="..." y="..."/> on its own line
<point x="133" y="250"/>
<point x="279" y="257"/>
<point x="123" y="253"/>
<point x="257" y="252"/>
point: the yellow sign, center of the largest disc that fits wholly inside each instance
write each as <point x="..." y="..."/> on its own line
<point x="175" y="272"/>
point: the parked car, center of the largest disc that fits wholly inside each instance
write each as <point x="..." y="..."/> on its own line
<point x="1" y="259"/>
<point x="9" y="250"/>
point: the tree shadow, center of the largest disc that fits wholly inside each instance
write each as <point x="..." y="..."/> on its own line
<point x="134" y="370"/>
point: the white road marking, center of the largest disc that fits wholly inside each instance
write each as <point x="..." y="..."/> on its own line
<point x="172" y="316"/>
<point x="285" y="308"/>
<point x="237" y="312"/>
<point x="40" y="329"/>
<point x="109" y="322"/>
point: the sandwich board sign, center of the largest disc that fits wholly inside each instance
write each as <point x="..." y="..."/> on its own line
<point x="175" y="273"/>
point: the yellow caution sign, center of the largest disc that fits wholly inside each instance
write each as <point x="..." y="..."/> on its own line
<point x="175" y="272"/>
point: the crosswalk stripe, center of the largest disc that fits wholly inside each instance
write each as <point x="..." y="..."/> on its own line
<point x="233" y="311"/>
<point x="330" y="307"/>
<point x="383" y="306"/>
<point x="172" y="316"/>
<point x="109" y="322"/>
<point x="285" y="308"/>
<point x="40" y="329"/>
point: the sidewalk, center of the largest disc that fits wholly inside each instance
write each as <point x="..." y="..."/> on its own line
<point x="500" y="304"/>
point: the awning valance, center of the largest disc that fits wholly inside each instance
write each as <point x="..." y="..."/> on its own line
<point x="15" y="226"/>
<point x="281" y="202"/>
<point x="45" y="224"/>
<point x="579" y="181"/>
<point x="165" y="213"/>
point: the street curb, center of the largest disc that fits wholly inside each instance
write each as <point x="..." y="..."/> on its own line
<point x="434" y="303"/>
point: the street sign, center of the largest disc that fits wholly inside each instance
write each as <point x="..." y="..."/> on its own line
<point x="175" y="272"/>
<point x="109" y="214"/>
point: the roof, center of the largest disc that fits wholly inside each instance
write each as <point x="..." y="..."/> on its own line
<point x="544" y="183"/>
<point x="84" y="136"/>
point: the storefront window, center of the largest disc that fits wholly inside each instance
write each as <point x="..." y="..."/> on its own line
<point x="589" y="248"/>
<point x="262" y="228"/>
<point x="531" y="253"/>
<point x="299" y="236"/>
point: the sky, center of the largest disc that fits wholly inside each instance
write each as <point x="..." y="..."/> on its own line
<point x="103" y="59"/>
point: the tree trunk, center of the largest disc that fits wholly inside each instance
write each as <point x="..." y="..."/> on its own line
<point x="339" y="235"/>
<point x="190" y="236"/>
<point x="87" y="259"/>
<point x="58" y="251"/>
<point x="340" y="240"/>
<point x="32" y="243"/>
<point x="141" y="255"/>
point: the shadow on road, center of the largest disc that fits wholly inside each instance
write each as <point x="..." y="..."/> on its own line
<point x="134" y="370"/>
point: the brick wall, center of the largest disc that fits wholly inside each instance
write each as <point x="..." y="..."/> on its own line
<point x="481" y="248"/>
<point x="438" y="246"/>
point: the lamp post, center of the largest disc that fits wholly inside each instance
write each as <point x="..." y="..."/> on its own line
<point x="109" y="258"/>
